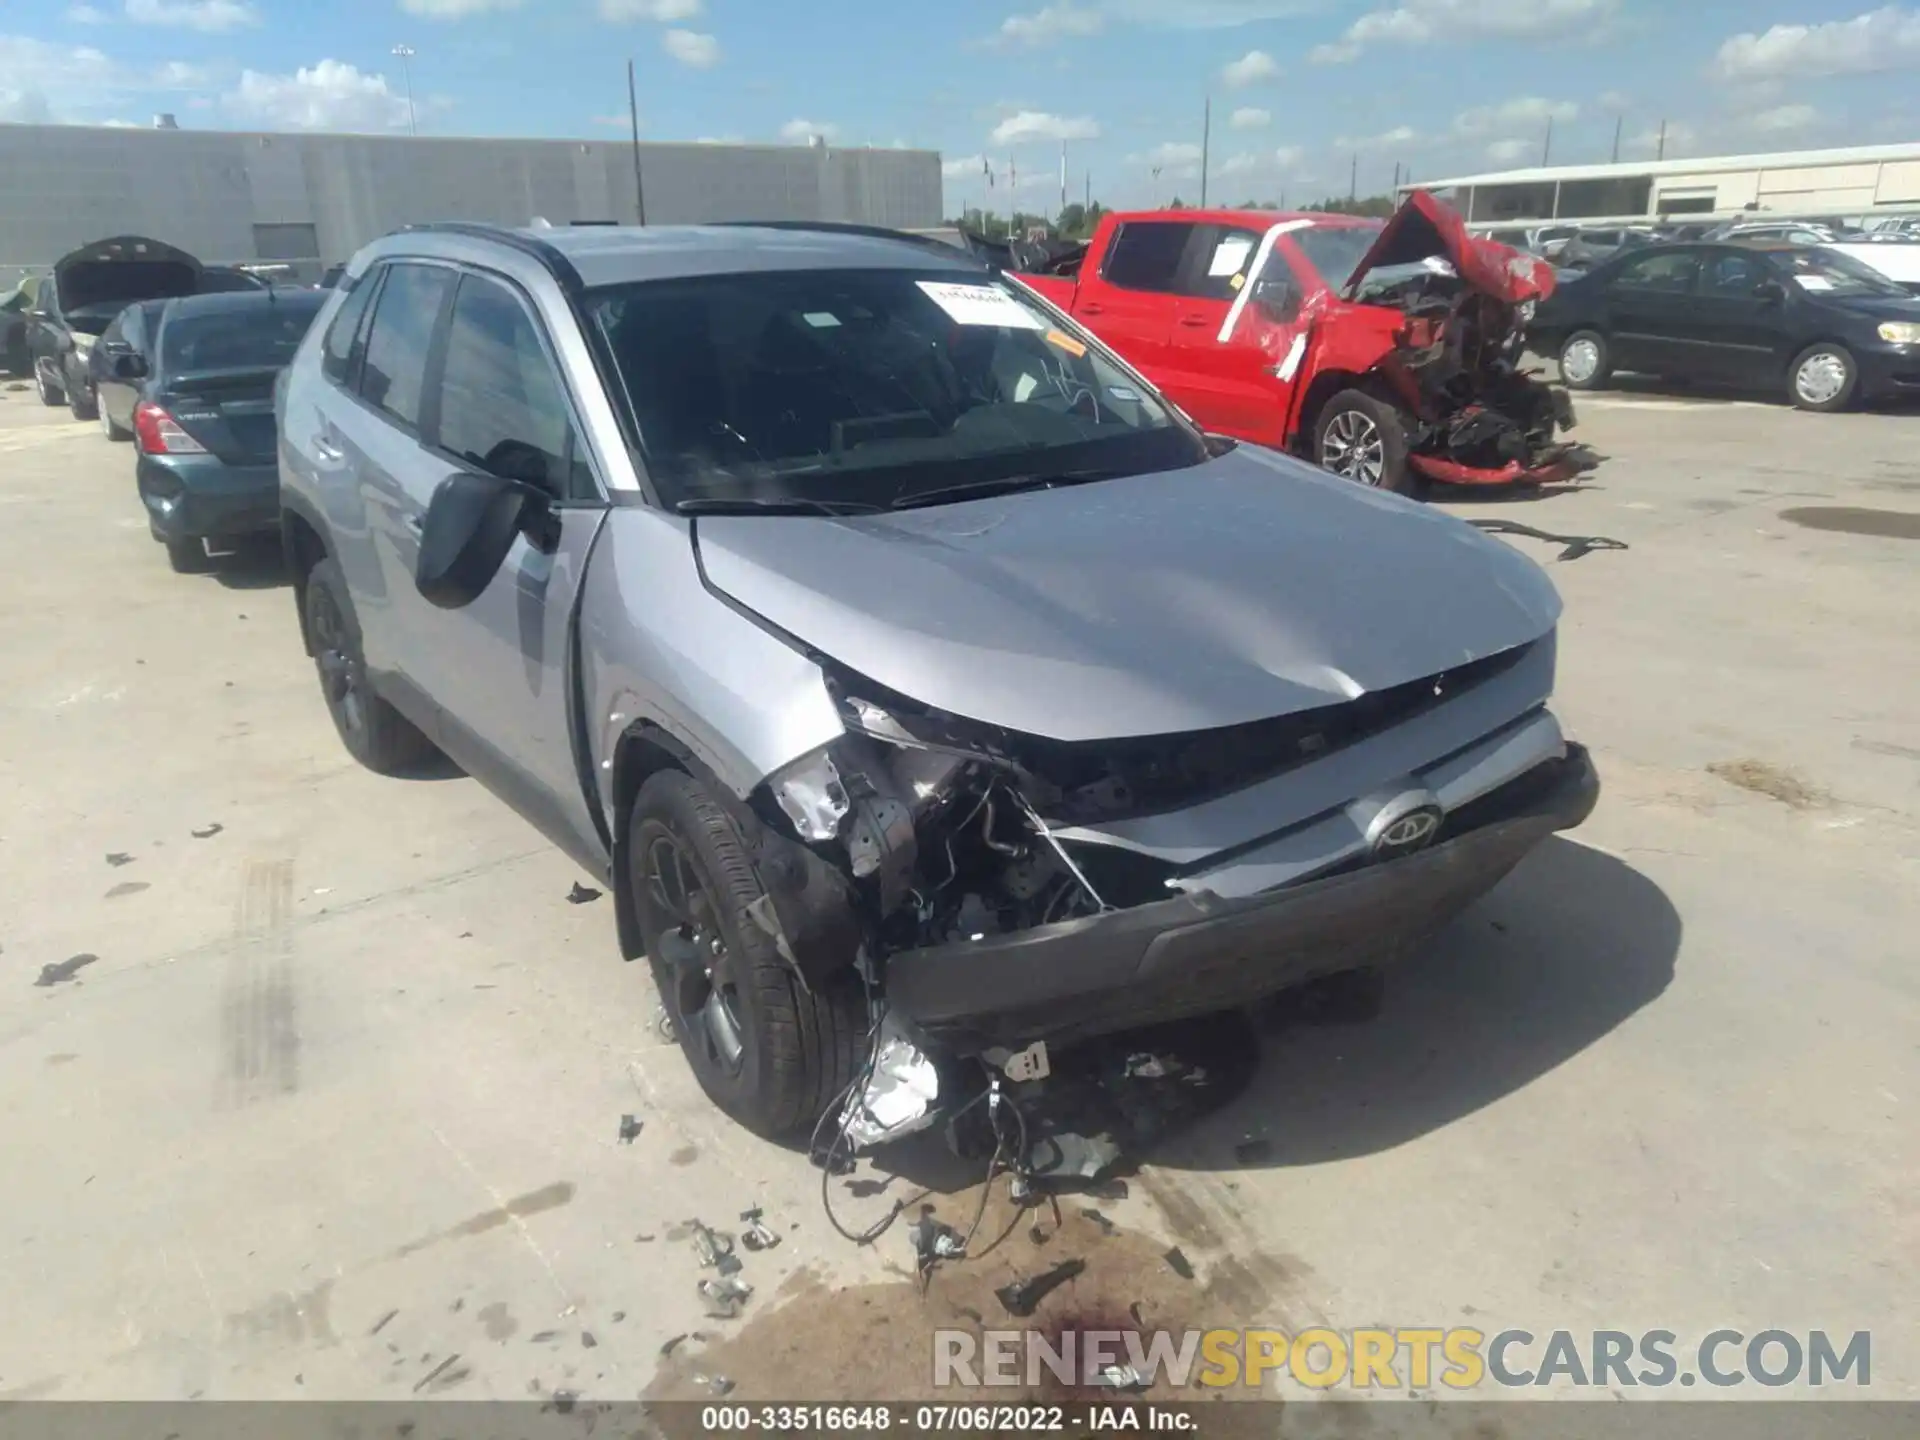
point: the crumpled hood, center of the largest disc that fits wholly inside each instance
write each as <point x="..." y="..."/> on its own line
<point x="1424" y="228"/>
<point x="1249" y="587"/>
<point x="122" y="270"/>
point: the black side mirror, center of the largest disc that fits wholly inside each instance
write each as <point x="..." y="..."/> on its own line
<point x="470" y="526"/>
<point x="1771" y="291"/>
<point x="128" y="366"/>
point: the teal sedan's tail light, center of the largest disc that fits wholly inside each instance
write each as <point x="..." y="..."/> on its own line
<point x="160" y="434"/>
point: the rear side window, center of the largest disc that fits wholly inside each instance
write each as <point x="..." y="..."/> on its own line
<point x="502" y="407"/>
<point x="1146" y="255"/>
<point x="336" y="358"/>
<point x="1671" y="271"/>
<point x="394" y="372"/>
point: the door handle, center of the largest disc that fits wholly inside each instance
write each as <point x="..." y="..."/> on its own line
<point x="1195" y="322"/>
<point x="1093" y="309"/>
<point x="328" y="451"/>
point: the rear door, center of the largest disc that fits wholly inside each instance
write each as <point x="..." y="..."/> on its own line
<point x="215" y="372"/>
<point x="1128" y="302"/>
<point x="114" y="395"/>
<point x="1221" y="358"/>
<point x="377" y="439"/>
<point x="500" y="670"/>
<point x="1650" y="307"/>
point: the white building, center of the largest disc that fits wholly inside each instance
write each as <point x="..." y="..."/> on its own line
<point x="1864" y="181"/>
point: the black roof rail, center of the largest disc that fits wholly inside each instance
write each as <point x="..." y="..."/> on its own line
<point x="845" y="227"/>
<point x="549" y="256"/>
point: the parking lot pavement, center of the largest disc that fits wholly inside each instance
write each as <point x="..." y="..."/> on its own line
<point x="325" y="1101"/>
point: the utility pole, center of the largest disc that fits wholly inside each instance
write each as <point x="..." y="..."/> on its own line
<point x="1353" y="180"/>
<point x="1206" y="142"/>
<point x="404" y="54"/>
<point x="1546" y="150"/>
<point x="1661" y="153"/>
<point x="1618" y="121"/>
<point x="633" y="115"/>
<point x="1396" y="177"/>
<point x="1063" y="175"/>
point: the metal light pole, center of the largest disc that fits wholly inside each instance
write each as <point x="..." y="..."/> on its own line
<point x="633" y="115"/>
<point x="404" y="54"/>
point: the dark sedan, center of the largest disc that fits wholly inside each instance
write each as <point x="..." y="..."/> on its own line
<point x="131" y="333"/>
<point x="203" y="422"/>
<point x="1802" y="319"/>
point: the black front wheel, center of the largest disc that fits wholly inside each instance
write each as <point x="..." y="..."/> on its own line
<point x="1363" y="438"/>
<point x="375" y="734"/>
<point x="1586" y="363"/>
<point x="82" y="403"/>
<point x="50" y="394"/>
<point x="771" y="1052"/>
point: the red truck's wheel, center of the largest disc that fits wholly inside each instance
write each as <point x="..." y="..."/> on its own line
<point x="1362" y="438"/>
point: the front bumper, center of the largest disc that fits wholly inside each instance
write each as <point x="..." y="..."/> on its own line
<point x="1889" y="372"/>
<point x="1200" y="953"/>
<point x="196" y="497"/>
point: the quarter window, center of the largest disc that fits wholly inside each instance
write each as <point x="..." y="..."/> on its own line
<point x="336" y="358"/>
<point x="396" y="365"/>
<point x="502" y="407"/>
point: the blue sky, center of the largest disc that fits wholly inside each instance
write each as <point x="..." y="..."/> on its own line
<point x="1298" y="86"/>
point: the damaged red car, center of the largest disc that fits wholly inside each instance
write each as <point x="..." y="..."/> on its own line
<point x="1387" y="352"/>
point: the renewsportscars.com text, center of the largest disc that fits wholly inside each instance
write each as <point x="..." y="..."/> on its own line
<point x="1381" y="1359"/>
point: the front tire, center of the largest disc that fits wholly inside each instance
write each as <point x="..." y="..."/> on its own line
<point x="83" y="405"/>
<point x="770" y="1052"/>
<point x="1585" y="361"/>
<point x="50" y="395"/>
<point x="1362" y="438"/>
<point x="1823" y="378"/>
<point x="375" y="734"/>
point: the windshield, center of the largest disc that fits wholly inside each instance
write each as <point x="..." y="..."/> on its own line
<point x="252" y="337"/>
<point x="1336" y="250"/>
<point x="867" y="387"/>
<point x="1826" y="272"/>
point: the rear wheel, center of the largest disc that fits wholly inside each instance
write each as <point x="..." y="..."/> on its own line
<point x="1585" y="361"/>
<point x="1823" y="377"/>
<point x="50" y="394"/>
<point x="82" y="403"/>
<point x="375" y="734"/>
<point x="772" y="1053"/>
<point x="1364" y="439"/>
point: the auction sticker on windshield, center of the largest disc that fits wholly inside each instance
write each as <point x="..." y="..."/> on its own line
<point x="981" y="305"/>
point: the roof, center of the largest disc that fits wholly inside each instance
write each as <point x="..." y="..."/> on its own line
<point x="623" y="254"/>
<point x="1711" y="164"/>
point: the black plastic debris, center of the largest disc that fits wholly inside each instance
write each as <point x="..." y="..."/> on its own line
<point x="1177" y="1262"/>
<point x="65" y="971"/>
<point x="208" y="833"/>
<point x="714" y="1249"/>
<point x="435" y="1373"/>
<point x="630" y="1126"/>
<point x="587" y="1342"/>
<point x="1107" y="1227"/>
<point x="563" y="1402"/>
<point x="581" y="894"/>
<point x="1023" y="1297"/>
<point x="127" y="887"/>
<point x="618" y="1316"/>
<point x="382" y="1323"/>
<point x="644" y="1239"/>
<point x="674" y="1342"/>
<point x="544" y="1337"/>
<point x="1577" y="545"/>
<point x="756" y="1236"/>
<point x="118" y="858"/>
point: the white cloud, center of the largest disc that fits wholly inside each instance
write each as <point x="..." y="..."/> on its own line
<point x="1615" y="100"/>
<point x="1529" y="112"/>
<point x="332" y="95"/>
<point x="24" y="107"/>
<point x="801" y="131"/>
<point x="1048" y="24"/>
<point x="1784" y="119"/>
<point x="1176" y="158"/>
<point x="86" y="15"/>
<point x="664" y="11"/>
<point x="1401" y="137"/>
<point x="211" y="16"/>
<point x="1038" y="125"/>
<point x="691" y="48"/>
<point x="1249" y="69"/>
<point x="41" y="81"/>
<point x="1269" y="163"/>
<point x="1883" y="39"/>
<point x="721" y="140"/>
<point x="1250" y="117"/>
<point x="615" y="122"/>
<point x="1679" y="137"/>
<point x="1419" y="22"/>
<point x="455" y="9"/>
<point x="1508" y="151"/>
<point x="964" y="168"/>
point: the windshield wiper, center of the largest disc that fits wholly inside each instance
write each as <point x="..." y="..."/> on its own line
<point x="772" y="505"/>
<point x="1005" y="485"/>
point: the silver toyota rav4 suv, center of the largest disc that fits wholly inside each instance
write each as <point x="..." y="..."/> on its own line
<point x="902" y="662"/>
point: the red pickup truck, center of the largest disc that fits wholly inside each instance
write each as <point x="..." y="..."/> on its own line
<point x="1387" y="352"/>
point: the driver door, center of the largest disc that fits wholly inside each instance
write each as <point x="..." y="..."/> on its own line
<point x="1221" y="366"/>
<point x="499" y="671"/>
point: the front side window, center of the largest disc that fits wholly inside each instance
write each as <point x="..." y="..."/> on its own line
<point x="502" y="409"/>
<point x="1335" y="251"/>
<point x="1229" y="255"/>
<point x="866" y="387"/>
<point x="396" y="357"/>
<point x="1734" y="275"/>
<point x="1670" y="271"/>
<point x="1146" y="255"/>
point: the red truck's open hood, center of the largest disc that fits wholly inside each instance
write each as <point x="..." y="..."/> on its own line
<point x="1426" y="229"/>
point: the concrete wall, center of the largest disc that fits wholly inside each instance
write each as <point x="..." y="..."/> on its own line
<point x="206" y="191"/>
